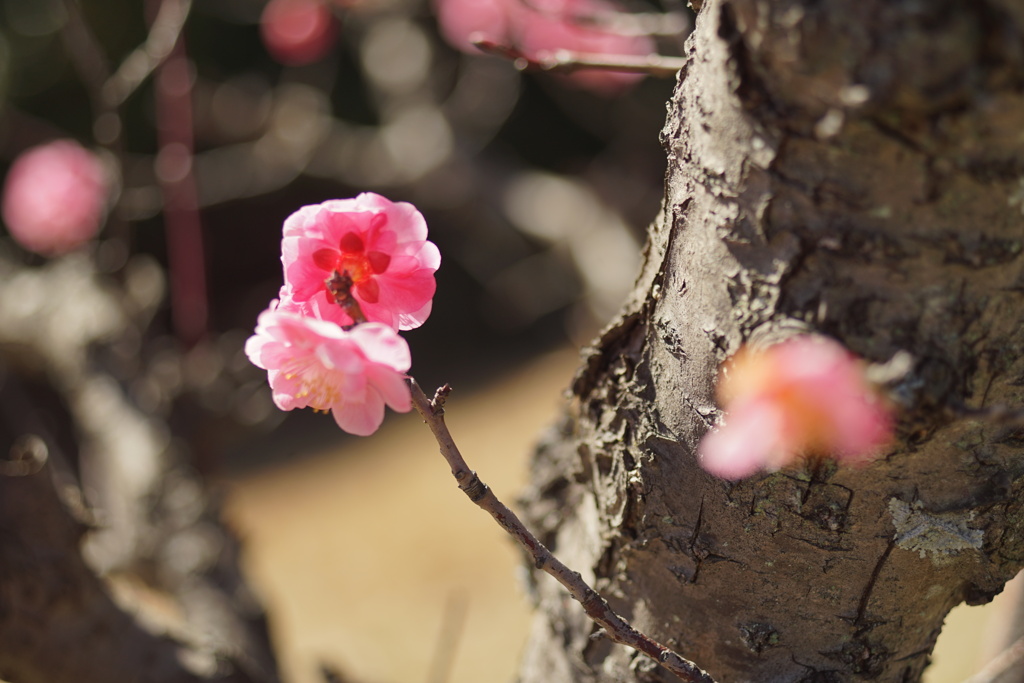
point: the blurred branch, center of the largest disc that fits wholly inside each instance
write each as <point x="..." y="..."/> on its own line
<point x="671" y="23"/>
<point x="154" y="524"/>
<point x="643" y="23"/>
<point x="175" y="173"/>
<point x="567" y="61"/>
<point x="1006" y="662"/>
<point x="452" y="621"/>
<point x="163" y="35"/>
<point x="615" y="627"/>
<point x="88" y="58"/>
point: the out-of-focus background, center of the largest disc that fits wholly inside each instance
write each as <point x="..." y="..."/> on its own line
<point x="212" y="121"/>
<point x="537" y="187"/>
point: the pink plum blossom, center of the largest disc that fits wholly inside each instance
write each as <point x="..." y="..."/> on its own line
<point x="805" y="396"/>
<point x="381" y="245"/>
<point x="316" y="364"/>
<point x="297" y="32"/>
<point x="54" y="197"/>
<point x="540" y="28"/>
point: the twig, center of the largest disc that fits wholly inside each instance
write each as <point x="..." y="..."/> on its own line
<point x="1002" y="663"/>
<point x="615" y="627"/>
<point x="567" y="61"/>
<point x="339" y="286"/>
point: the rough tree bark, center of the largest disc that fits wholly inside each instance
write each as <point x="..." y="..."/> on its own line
<point x="854" y="169"/>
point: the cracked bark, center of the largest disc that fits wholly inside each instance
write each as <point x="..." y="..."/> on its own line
<point x="851" y="169"/>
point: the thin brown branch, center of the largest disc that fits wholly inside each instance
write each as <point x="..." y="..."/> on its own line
<point x="615" y="627"/>
<point x="567" y="61"/>
<point x="339" y="286"/>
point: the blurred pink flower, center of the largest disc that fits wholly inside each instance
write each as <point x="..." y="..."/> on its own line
<point x="462" y="20"/>
<point x="297" y="32"/>
<point x="54" y="197"/>
<point x="381" y="245"/>
<point x="563" y="25"/>
<point x="540" y="28"/>
<point x="316" y="364"/>
<point x="805" y="396"/>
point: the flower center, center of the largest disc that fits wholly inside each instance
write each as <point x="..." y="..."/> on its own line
<point x="319" y="386"/>
<point x="351" y="257"/>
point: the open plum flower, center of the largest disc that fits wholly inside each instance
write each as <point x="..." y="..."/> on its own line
<point x="316" y="364"/>
<point x="380" y="245"/>
<point x="807" y="395"/>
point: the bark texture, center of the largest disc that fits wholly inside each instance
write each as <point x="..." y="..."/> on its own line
<point x="851" y="169"/>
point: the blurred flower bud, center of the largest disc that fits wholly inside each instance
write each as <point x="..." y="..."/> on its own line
<point x="297" y="32"/>
<point x="54" y="197"/>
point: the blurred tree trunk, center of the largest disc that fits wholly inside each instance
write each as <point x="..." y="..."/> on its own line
<point x="854" y="169"/>
<point x="114" y="564"/>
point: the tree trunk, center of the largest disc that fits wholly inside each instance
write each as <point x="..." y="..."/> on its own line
<point x="854" y="169"/>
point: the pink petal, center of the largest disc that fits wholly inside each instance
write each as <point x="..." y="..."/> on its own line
<point x="303" y="222"/>
<point x="410" y="321"/>
<point x="391" y="386"/>
<point x="361" y="418"/>
<point x="254" y="350"/>
<point x="750" y="440"/>
<point x="381" y="344"/>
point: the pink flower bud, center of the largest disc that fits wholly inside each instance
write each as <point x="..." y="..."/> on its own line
<point x="316" y="364"/>
<point x="381" y="245"/>
<point x="805" y="396"/>
<point x="54" y="197"/>
<point x="297" y="32"/>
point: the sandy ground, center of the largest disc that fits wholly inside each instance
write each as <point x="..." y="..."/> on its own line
<point x="372" y="561"/>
